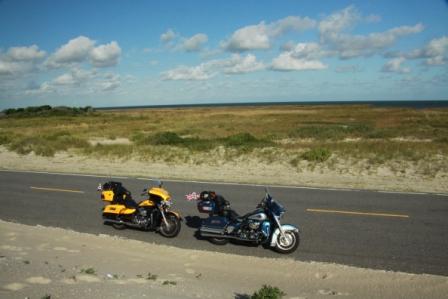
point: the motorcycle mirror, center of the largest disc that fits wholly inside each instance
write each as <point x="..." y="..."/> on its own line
<point x="266" y="190"/>
<point x="159" y="183"/>
<point x="100" y="187"/>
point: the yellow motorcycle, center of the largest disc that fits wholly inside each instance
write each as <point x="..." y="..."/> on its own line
<point x="151" y="214"/>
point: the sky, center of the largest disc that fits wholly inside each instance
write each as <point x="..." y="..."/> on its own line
<point x="126" y="53"/>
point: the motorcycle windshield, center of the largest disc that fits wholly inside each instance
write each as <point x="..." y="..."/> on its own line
<point x="276" y="208"/>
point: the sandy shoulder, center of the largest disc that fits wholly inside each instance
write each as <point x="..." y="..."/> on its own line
<point x="36" y="260"/>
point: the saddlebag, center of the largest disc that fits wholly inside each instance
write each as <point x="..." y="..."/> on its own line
<point x="214" y="224"/>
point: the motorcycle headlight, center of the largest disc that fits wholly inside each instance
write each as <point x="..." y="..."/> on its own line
<point x="168" y="203"/>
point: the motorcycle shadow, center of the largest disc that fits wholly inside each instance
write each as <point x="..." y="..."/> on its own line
<point x="193" y="221"/>
<point x="196" y="221"/>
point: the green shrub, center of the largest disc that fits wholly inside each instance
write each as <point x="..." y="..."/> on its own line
<point x="47" y="110"/>
<point x="244" y="142"/>
<point x="268" y="292"/>
<point x="90" y="271"/>
<point x="241" y="139"/>
<point x="166" y="138"/>
<point x="4" y="138"/>
<point x="317" y="155"/>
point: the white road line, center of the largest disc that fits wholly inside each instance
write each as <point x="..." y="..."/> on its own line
<point x="228" y="183"/>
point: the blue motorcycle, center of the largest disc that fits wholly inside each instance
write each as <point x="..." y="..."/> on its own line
<point x="261" y="226"/>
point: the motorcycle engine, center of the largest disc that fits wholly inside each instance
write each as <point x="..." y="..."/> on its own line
<point x="141" y="220"/>
<point x="251" y="230"/>
<point x="253" y="224"/>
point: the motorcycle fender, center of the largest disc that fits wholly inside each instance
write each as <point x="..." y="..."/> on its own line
<point x="147" y="203"/>
<point x="285" y="227"/>
<point x="176" y="214"/>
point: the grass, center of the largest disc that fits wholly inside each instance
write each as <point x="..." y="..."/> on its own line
<point x="202" y="135"/>
<point x="268" y="292"/>
<point x="90" y="271"/>
<point x="151" y="276"/>
<point x="316" y="155"/>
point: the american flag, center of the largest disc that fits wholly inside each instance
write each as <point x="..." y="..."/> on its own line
<point x="192" y="196"/>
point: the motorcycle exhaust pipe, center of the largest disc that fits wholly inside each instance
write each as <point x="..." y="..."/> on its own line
<point x="209" y="230"/>
<point x="211" y="235"/>
<point x="121" y="222"/>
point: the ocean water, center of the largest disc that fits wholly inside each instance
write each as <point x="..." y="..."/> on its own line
<point x="404" y="104"/>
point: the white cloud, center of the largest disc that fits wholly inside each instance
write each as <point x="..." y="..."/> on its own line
<point x="20" y="60"/>
<point x="434" y="53"/>
<point x="44" y="88"/>
<point x="307" y="51"/>
<point x="242" y="64"/>
<point x="30" y="53"/>
<point x="110" y="82"/>
<point x="11" y="68"/>
<point x="195" y="42"/>
<point x="347" y="46"/>
<point x="287" y="62"/>
<point x="200" y="72"/>
<point x="303" y="56"/>
<point x="249" y="38"/>
<point x="339" y="21"/>
<point x="105" y="55"/>
<point x="75" y="77"/>
<point x="168" y="36"/>
<point x="395" y="66"/>
<point x="76" y="50"/>
<point x="81" y="49"/>
<point x="77" y="81"/>
<point x="258" y="37"/>
<point x="236" y="64"/>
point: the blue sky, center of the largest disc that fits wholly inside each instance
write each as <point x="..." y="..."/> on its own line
<point x="122" y="53"/>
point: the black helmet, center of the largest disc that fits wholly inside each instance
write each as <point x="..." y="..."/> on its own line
<point x="204" y="195"/>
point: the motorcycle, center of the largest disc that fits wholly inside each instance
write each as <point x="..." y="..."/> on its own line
<point x="151" y="214"/>
<point x="261" y="226"/>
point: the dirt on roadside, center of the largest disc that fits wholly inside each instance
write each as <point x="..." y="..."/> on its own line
<point x="37" y="261"/>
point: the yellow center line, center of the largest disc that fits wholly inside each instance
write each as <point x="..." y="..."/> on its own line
<point x="357" y="213"/>
<point x="56" y="190"/>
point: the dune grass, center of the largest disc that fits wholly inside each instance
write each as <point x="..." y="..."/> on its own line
<point x="316" y="134"/>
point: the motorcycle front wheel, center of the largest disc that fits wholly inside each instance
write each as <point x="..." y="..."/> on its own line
<point x="172" y="229"/>
<point x="289" y="243"/>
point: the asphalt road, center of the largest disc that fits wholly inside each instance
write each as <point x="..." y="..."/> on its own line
<point x="390" y="231"/>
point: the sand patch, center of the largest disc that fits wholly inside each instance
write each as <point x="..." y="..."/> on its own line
<point x="15" y="286"/>
<point x="181" y="273"/>
<point x="87" y="278"/>
<point x="12" y="248"/>
<point x="66" y="250"/>
<point x="38" y="280"/>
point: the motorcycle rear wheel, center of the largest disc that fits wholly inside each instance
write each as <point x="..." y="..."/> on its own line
<point x="289" y="243"/>
<point x="118" y="226"/>
<point x="173" y="227"/>
<point x="219" y="241"/>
